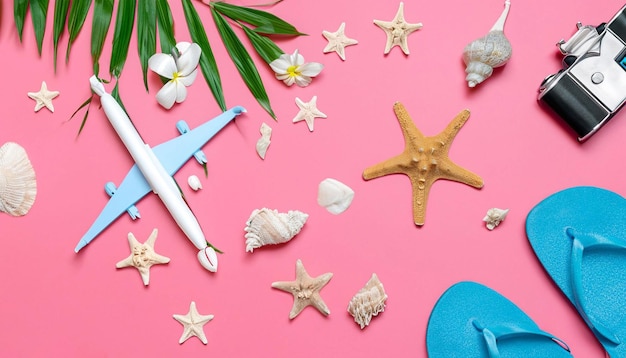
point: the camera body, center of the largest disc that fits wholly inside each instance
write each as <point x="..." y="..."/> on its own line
<point x="591" y="87"/>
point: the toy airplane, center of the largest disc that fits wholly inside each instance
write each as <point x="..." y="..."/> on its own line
<point x="153" y="171"/>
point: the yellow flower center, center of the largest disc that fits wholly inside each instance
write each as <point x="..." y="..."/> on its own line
<point x="175" y="76"/>
<point x="293" y="71"/>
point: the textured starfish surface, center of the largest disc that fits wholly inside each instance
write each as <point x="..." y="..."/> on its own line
<point x="424" y="160"/>
<point x="398" y="30"/>
<point x="308" y="112"/>
<point x="337" y="41"/>
<point x="143" y="256"/>
<point x="193" y="323"/>
<point x="305" y="290"/>
<point x="43" y="97"/>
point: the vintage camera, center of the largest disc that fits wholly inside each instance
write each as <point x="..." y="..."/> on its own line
<point x="591" y="87"/>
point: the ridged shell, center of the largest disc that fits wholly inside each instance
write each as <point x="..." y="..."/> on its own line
<point x="269" y="227"/>
<point x="368" y="302"/>
<point x="18" y="185"/>
<point x="494" y="217"/>
<point x="334" y="195"/>
<point x="481" y="56"/>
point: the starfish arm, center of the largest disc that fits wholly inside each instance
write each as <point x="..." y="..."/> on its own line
<point x="421" y="189"/>
<point x="286" y="286"/>
<point x="298" y="306"/>
<point x="451" y="171"/>
<point x="317" y="302"/>
<point x="145" y="275"/>
<point x="447" y="135"/>
<point x="126" y="262"/>
<point x="409" y="130"/>
<point x="395" y="165"/>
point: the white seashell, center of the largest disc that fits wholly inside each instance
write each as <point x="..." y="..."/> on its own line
<point x="368" y="302"/>
<point x="264" y="141"/>
<point x="334" y="195"/>
<point x="208" y="258"/>
<point x="269" y="227"/>
<point x="481" y="56"/>
<point x="494" y="217"/>
<point x="18" y="185"/>
<point x="194" y="182"/>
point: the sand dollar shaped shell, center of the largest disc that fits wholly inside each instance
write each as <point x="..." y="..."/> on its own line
<point x="493" y="50"/>
<point x="269" y="227"/>
<point x="368" y="302"/>
<point x="18" y="185"/>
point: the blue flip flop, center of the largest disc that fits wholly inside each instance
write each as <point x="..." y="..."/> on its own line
<point x="579" y="236"/>
<point x="472" y="320"/>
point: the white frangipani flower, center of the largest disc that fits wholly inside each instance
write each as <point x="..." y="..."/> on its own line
<point x="292" y="69"/>
<point x="180" y="69"/>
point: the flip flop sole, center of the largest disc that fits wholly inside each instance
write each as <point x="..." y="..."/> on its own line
<point x="452" y="331"/>
<point x="592" y="211"/>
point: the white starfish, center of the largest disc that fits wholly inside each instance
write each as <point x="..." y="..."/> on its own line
<point x="193" y="323"/>
<point x="308" y="112"/>
<point x="143" y="256"/>
<point x="337" y="41"/>
<point x="397" y="31"/>
<point x="43" y="97"/>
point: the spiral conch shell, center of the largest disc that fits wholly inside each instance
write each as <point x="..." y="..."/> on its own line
<point x="368" y="302"/>
<point x="18" y="186"/>
<point x="269" y="227"/>
<point x="484" y="54"/>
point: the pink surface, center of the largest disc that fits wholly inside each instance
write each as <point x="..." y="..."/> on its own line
<point x="57" y="302"/>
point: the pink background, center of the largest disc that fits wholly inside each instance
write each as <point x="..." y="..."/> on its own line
<point x="57" y="302"/>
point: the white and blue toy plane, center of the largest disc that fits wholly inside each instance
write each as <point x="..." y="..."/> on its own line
<point x="153" y="171"/>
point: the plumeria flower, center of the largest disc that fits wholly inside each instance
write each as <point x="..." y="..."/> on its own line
<point x="292" y="69"/>
<point x="181" y="70"/>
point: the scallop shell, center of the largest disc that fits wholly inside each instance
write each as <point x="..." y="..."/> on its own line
<point x="18" y="185"/>
<point x="493" y="50"/>
<point x="194" y="182"/>
<point x="264" y="142"/>
<point x="269" y="227"/>
<point x="494" y="217"/>
<point x="368" y="302"/>
<point x="334" y="195"/>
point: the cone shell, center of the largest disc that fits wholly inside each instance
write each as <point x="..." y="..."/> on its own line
<point x="368" y="302"/>
<point x="269" y="227"/>
<point x="18" y="186"/>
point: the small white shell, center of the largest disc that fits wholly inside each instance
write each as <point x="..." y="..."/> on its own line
<point x="484" y="54"/>
<point x="18" y="185"/>
<point x="494" y="217"/>
<point x="194" y="182"/>
<point x="208" y="258"/>
<point x="334" y="195"/>
<point x="368" y="302"/>
<point x="269" y="227"/>
<point x="264" y="142"/>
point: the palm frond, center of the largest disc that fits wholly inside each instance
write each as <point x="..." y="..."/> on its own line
<point x="38" y="14"/>
<point x="124" y="21"/>
<point x="102" y="13"/>
<point x="61" y="8"/>
<point x="77" y="16"/>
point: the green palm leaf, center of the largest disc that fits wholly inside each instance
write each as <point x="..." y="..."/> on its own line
<point x="102" y="13"/>
<point x="265" y="47"/>
<point x="242" y="61"/>
<point x="207" y="60"/>
<point x="60" y="15"/>
<point x="38" y="13"/>
<point x="78" y="13"/>
<point x="19" y="13"/>
<point x="146" y="34"/>
<point x="264" y="21"/>
<point x="165" y="23"/>
<point x="124" y="21"/>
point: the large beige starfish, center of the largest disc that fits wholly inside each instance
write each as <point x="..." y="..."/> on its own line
<point x="305" y="290"/>
<point x="142" y="256"/>
<point x="43" y="97"/>
<point x="337" y="41"/>
<point x="424" y="160"/>
<point x="398" y="30"/>
<point x="193" y="323"/>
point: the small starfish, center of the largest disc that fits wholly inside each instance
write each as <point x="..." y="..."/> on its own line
<point x="43" y="97"/>
<point x="424" y="160"/>
<point x="337" y="41"/>
<point x="305" y="290"/>
<point x="142" y="256"/>
<point x="308" y="112"/>
<point x="398" y="30"/>
<point x="193" y="323"/>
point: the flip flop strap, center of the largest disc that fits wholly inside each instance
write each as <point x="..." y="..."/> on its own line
<point x="580" y="242"/>
<point x="494" y="333"/>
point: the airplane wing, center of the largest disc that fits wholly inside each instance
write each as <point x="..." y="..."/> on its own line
<point x="172" y="155"/>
